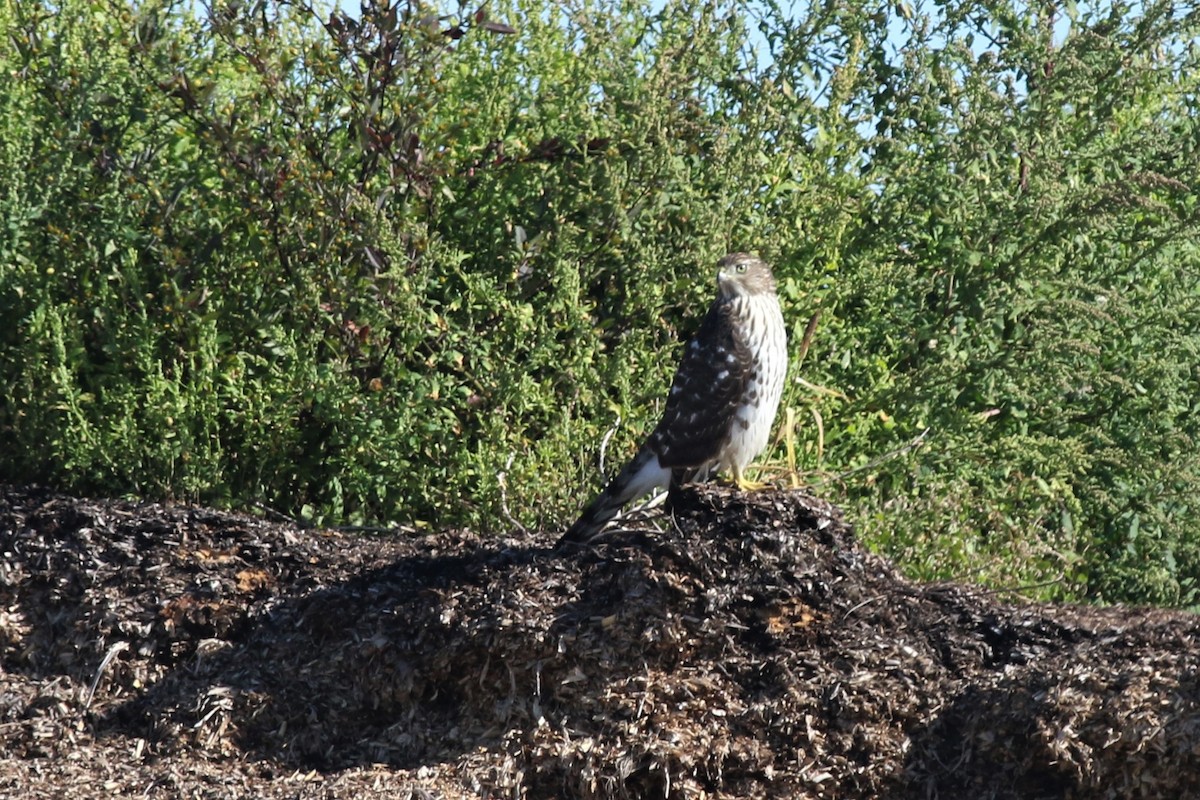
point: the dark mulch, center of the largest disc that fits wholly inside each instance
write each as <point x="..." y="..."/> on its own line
<point x="751" y="650"/>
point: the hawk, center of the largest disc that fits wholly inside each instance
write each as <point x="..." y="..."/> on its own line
<point x="722" y="401"/>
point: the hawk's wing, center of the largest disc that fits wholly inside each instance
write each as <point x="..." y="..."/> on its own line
<point x="708" y="388"/>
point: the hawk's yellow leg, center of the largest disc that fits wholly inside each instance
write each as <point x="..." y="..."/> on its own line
<point x="745" y="484"/>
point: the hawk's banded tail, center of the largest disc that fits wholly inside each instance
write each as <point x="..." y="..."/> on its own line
<point x="641" y="475"/>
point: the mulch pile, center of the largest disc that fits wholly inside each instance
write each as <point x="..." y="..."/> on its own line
<point x="751" y="649"/>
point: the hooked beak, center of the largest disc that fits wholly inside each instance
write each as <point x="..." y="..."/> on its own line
<point x="726" y="283"/>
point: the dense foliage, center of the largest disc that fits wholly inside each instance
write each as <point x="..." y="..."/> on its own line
<point x="410" y="264"/>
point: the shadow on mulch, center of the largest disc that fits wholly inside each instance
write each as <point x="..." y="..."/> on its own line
<point x="372" y="670"/>
<point x="1128" y="727"/>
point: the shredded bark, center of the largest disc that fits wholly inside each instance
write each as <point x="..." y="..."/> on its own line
<point x="750" y="650"/>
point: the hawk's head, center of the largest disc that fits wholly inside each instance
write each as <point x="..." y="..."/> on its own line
<point x="744" y="274"/>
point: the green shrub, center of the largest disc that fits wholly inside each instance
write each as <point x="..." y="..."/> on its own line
<point x="409" y="267"/>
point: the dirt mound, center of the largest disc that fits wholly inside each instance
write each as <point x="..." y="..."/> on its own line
<point x="751" y="650"/>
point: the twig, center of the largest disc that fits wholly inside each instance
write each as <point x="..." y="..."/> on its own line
<point x="118" y="647"/>
<point x="866" y="602"/>
<point x="604" y="441"/>
<point x="1025" y="588"/>
<point x="899" y="451"/>
<point x="806" y="342"/>
<point x="279" y="516"/>
<point x="408" y="529"/>
<point x="502" y="479"/>
<point x="821" y="389"/>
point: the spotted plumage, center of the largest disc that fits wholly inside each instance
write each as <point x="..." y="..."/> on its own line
<point x="723" y="399"/>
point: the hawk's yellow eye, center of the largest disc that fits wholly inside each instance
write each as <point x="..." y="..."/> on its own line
<point x="741" y="268"/>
